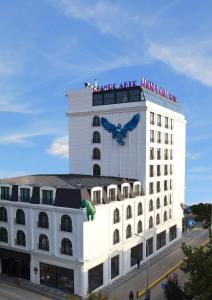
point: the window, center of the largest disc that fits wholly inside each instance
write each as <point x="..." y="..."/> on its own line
<point x="166" y="122"/>
<point x="172" y="124"/>
<point x="96" y="197"/>
<point x="158" y="170"/>
<point x="96" y="121"/>
<point x="151" y="205"/>
<point x="151" y="153"/>
<point x="136" y="254"/>
<point x="161" y="239"/>
<point x="157" y="219"/>
<point x="158" y="203"/>
<point x="170" y="213"/>
<point x="129" y="212"/>
<point x="43" y="242"/>
<point x="3" y="235"/>
<point x="171" y="139"/>
<point x="112" y="194"/>
<point x="20" y="238"/>
<point x="150" y="222"/>
<point x="95" y="277"/>
<point x="96" y="153"/>
<point x="171" y="169"/>
<point x="116" y="216"/>
<point x="159" y="154"/>
<point x="140" y="228"/>
<point x="172" y="233"/>
<point x="165" y="185"/>
<point x="165" y="216"/>
<point x="5" y="193"/>
<point x="97" y="99"/>
<point x="24" y="194"/>
<point x="136" y="190"/>
<point x="140" y="210"/>
<point x="171" y="184"/>
<point x="114" y="266"/>
<point x="159" y="123"/>
<point x="128" y="232"/>
<point x="96" y="170"/>
<point x="96" y="137"/>
<point x="166" y="155"/>
<point x="149" y="246"/>
<point x="151" y="171"/>
<point x="116" y="238"/>
<point x="43" y="220"/>
<point x="165" y="202"/>
<point x="47" y="197"/>
<point x="125" y="192"/>
<point x="66" y="247"/>
<point x="151" y="189"/>
<point x="158" y="186"/>
<point x="171" y="154"/>
<point x="66" y="223"/>
<point x="159" y="137"/>
<point x="165" y="170"/>
<point x="3" y="214"/>
<point x="20" y="217"/>
<point x="152" y="138"/>
<point x="166" y="138"/>
<point x="170" y="199"/>
<point x="152" y="118"/>
<point x="109" y="98"/>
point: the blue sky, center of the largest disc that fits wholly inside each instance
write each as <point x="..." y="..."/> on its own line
<point x="51" y="46"/>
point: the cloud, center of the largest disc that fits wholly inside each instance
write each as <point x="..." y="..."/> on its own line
<point x="192" y="156"/>
<point x="200" y="170"/>
<point x="9" y="104"/>
<point x="59" y="147"/>
<point x="187" y="57"/>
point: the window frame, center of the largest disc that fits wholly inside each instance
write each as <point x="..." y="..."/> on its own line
<point x="111" y="187"/>
<point x="24" y="187"/>
<point x="10" y="190"/>
<point x="94" y="190"/>
<point x="47" y="188"/>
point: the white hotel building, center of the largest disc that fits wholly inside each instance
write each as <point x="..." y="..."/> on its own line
<point x="137" y="189"/>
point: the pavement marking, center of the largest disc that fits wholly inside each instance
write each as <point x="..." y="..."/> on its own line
<point x="154" y="283"/>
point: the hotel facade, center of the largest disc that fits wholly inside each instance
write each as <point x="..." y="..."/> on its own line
<point x="132" y="177"/>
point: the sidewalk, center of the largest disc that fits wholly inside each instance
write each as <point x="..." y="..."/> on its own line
<point x="158" y="265"/>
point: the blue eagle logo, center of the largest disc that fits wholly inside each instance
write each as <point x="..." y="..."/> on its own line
<point x="120" y="132"/>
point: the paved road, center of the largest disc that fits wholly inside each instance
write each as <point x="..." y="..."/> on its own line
<point x="12" y="292"/>
<point x="157" y="269"/>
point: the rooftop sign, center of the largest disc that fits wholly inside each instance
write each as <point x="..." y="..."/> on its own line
<point x="133" y="83"/>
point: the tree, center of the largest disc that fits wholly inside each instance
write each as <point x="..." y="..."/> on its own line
<point x="98" y="296"/>
<point x="202" y="213"/>
<point x="198" y="265"/>
<point x="173" y="290"/>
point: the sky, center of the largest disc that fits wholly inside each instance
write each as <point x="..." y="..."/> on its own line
<point x="48" y="47"/>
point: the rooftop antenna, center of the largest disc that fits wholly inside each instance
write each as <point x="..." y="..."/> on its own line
<point x="95" y="83"/>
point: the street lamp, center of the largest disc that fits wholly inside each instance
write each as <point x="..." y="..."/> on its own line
<point x="147" y="292"/>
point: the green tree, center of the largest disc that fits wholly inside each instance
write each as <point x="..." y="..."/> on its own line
<point x="198" y="265"/>
<point x="202" y="213"/>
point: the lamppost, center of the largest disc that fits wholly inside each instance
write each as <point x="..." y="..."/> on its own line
<point x="147" y="292"/>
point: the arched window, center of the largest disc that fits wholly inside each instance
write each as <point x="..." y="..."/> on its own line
<point x="170" y="214"/>
<point x="150" y="222"/>
<point x="96" y="121"/>
<point x="20" y="217"/>
<point x="157" y="219"/>
<point x="128" y="232"/>
<point x="96" y="153"/>
<point x="151" y="205"/>
<point x="170" y="199"/>
<point x="43" y="242"/>
<point x="165" y="201"/>
<point x="43" y="220"/>
<point x="129" y="212"/>
<point x="3" y="235"/>
<point x="158" y="203"/>
<point x="140" y="210"/>
<point x="116" y="216"/>
<point x="140" y="229"/>
<point x="66" y="247"/>
<point x="20" y="238"/>
<point x="116" y="238"/>
<point x="96" y="170"/>
<point x="3" y="214"/>
<point x="165" y="216"/>
<point x="96" y="137"/>
<point x="66" y="223"/>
